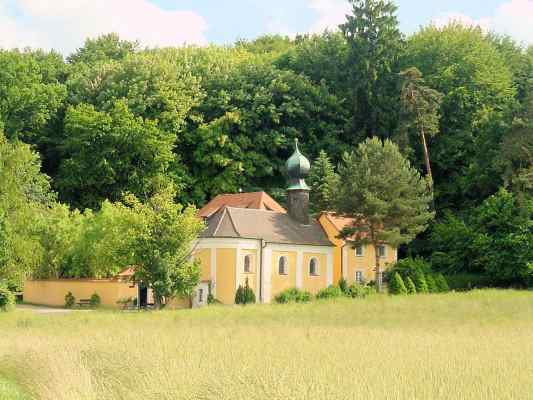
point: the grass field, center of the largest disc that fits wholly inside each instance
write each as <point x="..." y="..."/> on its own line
<point x="476" y="345"/>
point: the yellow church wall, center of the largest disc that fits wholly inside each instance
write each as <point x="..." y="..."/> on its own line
<point x="310" y="282"/>
<point x="52" y="292"/>
<point x="332" y="234"/>
<point x="367" y="262"/>
<point x="251" y="276"/>
<point x="283" y="282"/>
<point x="204" y="257"/>
<point x="225" y="275"/>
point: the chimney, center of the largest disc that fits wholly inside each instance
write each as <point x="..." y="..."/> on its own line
<point x="298" y="192"/>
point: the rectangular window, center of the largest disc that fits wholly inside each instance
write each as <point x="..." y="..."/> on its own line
<point x="359" y="251"/>
<point x="359" y="277"/>
<point x="382" y="251"/>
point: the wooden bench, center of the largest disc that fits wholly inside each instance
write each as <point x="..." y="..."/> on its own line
<point x="84" y="303"/>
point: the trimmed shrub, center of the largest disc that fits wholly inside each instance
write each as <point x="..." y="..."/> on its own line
<point x="70" y="300"/>
<point x="357" y="291"/>
<point x="420" y="283"/>
<point x="330" y="292"/>
<point x="442" y="285"/>
<point x="343" y="285"/>
<point x="396" y="285"/>
<point x="410" y="286"/>
<point x="409" y="267"/>
<point x="293" y="296"/>
<point x="95" y="301"/>
<point x="7" y="298"/>
<point x="432" y="285"/>
<point x="245" y="295"/>
<point x="210" y="298"/>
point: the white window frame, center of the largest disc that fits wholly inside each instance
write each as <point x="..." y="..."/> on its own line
<point x="362" y="251"/>
<point x="384" y="247"/>
<point x="362" y="273"/>
<point x="250" y="269"/>
<point x="286" y="266"/>
<point x="317" y="267"/>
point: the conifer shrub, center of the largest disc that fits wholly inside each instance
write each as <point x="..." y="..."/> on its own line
<point x="409" y="267"/>
<point x="343" y="285"/>
<point x="70" y="300"/>
<point x="293" y="296"/>
<point x="397" y="285"/>
<point x="95" y="300"/>
<point x="432" y="285"/>
<point x="442" y="284"/>
<point x="330" y="292"/>
<point x="410" y="286"/>
<point x="7" y="298"/>
<point x="245" y="294"/>
<point x="421" y="283"/>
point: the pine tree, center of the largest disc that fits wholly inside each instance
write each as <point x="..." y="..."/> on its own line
<point x="397" y="286"/>
<point x="323" y="180"/>
<point x="421" y="283"/>
<point x="410" y="285"/>
<point x="432" y="285"/>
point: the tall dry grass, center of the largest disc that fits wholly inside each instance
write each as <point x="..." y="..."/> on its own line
<point x="458" y="346"/>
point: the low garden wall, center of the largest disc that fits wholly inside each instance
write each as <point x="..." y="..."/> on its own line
<point x="52" y="292"/>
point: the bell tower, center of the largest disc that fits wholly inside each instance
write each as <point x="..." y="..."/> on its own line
<point x="298" y="167"/>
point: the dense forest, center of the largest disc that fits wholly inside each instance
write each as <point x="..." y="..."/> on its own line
<point x="115" y="118"/>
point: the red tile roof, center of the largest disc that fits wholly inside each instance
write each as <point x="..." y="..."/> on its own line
<point x="257" y="201"/>
<point x="339" y="223"/>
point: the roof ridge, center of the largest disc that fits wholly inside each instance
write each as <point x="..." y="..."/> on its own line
<point x="254" y="210"/>
<point x="233" y="222"/>
<point x="220" y="220"/>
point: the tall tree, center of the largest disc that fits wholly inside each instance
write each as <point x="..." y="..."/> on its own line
<point x="384" y="195"/>
<point x="323" y="182"/>
<point x="420" y="111"/>
<point x="375" y="42"/>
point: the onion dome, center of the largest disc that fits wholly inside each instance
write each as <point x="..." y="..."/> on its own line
<point x="298" y="167"/>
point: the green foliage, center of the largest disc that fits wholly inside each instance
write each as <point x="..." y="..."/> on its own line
<point x="293" y="296"/>
<point x="330" y="292"/>
<point x="343" y="285"/>
<point x="375" y="43"/>
<point x="358" y="291"/>
<point x="410" y="286"/>
<point x="95" y="300"/>
<point x="244" y="294"/>
<point x="7" y="298"/>
<point x="397" y="285"/>
<point x="420" y="282"/>
<point x="70" y="300"/>
<point x="432" y="285"/>
<point x="468" y="281"/>
<point x="103" y="48"/>
<point x="408" y="267"/>
<point x="441" y="284"/>
<point x="323" y="180"/>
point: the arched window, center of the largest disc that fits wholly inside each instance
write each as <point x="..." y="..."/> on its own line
<point x="283" y="265"/>
<point x="313" y="267"/>
<point x="248" y="263"/>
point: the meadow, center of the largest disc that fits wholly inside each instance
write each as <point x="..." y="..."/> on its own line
<point x="474" y="345"/>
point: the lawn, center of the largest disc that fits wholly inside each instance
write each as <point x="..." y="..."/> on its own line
<point x="475" y="345"/>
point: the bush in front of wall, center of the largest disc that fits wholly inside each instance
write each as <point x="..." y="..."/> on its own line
<point x="359" y="291"/>
<point x="95" y="300"/>
<point x="432" y="285"/>
<point x="410" y="286"/>
<point x="397" y="286"/>
<point x="70" y="300"/>
<point x="421" y="283"/>
<point x="442" y="284"/>
<point x="343" y="285"/>
<point x="330" y="292"/>
<point x="293" y="296"/>
<point x="7" y="298"/>
<point x="245" y="295"/>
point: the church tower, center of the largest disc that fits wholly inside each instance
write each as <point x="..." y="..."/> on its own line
<point x="298" y="192"/>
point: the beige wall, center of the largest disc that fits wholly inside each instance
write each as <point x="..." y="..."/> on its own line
<point x="225" y="275"/>
<point x="52" y="292"/>
<point x="251" y="276"/>
<point x="332" y="234"/>
<point x="204" y="256"/>
<point x="283" y="282"/>
<point x="366" y="263"/>
<point x="310" y="282"/>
